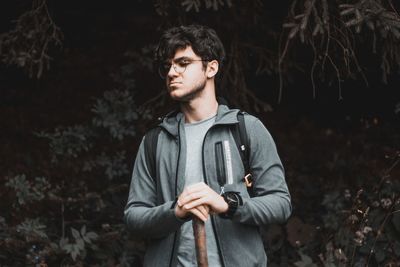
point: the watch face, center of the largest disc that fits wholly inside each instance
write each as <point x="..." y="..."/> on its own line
<point x="231" y="197"/>
<point x="234" y="200"/>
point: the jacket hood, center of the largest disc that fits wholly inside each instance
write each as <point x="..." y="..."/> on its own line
<point x="173" y="119"/>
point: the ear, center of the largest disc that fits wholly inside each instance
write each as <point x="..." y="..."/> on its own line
<point x="212" y="68"/>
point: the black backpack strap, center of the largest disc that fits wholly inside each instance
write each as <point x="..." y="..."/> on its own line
<point x="241" y="139"/>
<point x="150" y="145"/>
<point x="244" y="146"/>
<point x="150" y="148"/>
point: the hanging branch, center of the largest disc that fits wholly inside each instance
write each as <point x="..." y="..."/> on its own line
<point x="28" y="44"/>
<point x="332" y="31"/>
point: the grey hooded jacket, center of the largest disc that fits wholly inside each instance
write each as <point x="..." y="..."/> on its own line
<point x="150" y="208"/>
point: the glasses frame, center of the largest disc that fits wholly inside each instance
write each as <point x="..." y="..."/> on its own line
<point x="177" y="69"/>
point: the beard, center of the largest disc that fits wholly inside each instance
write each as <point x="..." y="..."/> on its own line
<point x="192" y="93"/>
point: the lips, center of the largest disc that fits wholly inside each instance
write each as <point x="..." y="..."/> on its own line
<point x="174" y="83"/>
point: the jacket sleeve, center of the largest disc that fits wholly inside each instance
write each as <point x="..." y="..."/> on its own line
<point x="271" y="202"/>
<point x="142" y="216"/>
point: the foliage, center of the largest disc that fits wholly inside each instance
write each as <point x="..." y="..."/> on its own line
<point x="365" y="227"/>
<point x="138" y="61"/>
<point x="115" y="166"/>
<point x="32" y="229"/>
<point x="27" y="46"/>
<point x="337" y="34"/>
<point x="196" y="4"/>
<point x="333" y="31"/>
<point x="68" y="142"/>
<point x="116" y="112"/>
<point x="81" y="182"/>
<point x="162" y="6"/>
<point x="80" y="239"/>
<point x="27" y="191"/>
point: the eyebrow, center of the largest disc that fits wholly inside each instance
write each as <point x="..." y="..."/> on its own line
<point x="182" y="58"/>
<point x="179" y="59"/>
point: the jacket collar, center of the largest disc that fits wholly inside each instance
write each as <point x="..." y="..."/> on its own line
<point x="175" y="119"/>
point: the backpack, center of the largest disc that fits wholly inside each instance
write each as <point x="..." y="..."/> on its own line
<point x="239" y="134"/>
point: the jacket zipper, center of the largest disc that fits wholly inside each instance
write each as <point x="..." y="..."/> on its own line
<point x="212" y="219"/>
<point x="176" y="193"/>
<point x="220" y="165"/>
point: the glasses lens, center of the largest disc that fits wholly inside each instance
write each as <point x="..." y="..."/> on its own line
<point x="181" y="66"/>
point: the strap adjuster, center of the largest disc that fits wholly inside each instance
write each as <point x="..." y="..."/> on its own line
<point x="248" y="180"/>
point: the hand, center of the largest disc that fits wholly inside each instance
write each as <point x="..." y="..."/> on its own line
<point x="200" y="212"/>
<point x="200" y="194"/>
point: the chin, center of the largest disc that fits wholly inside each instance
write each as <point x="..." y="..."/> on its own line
<point x="176" y="92"/>
<point x="179" y="97"/>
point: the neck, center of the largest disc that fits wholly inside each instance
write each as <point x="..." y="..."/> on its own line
<point x="202" y="107"/>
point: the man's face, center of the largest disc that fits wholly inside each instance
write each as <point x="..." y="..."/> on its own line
<point x="186" y="78"/>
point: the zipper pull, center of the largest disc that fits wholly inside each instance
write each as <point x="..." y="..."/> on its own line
<point x="222" y="190"/>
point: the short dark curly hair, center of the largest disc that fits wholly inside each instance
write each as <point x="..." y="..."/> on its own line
<point x="203" y="40"/>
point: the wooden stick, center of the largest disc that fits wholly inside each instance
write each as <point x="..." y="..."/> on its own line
<point x="199" y="232"/>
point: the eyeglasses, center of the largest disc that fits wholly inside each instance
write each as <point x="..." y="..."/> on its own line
<point x="179" y="66"/>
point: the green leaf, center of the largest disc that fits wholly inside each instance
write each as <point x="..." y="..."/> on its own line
<point x="63" y="242"/>
<point x="83" y="230"/>
<point x="89" y="237"/>
<point x="75" y="233"/>
<point x="80" y="244"/>
<point x="92" y="235"/>
<point x="68" y="248"/>
<point x="191" y="4"/>
<point x="74" y="252"/>
<point x="87" y="240"/>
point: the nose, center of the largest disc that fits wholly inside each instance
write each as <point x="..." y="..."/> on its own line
<point x="172" y="72"/>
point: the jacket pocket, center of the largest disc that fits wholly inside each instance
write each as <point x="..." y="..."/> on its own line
<point x="220" y="163"/>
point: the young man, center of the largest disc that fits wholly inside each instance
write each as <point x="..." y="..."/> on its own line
<point x="198" y="167"/>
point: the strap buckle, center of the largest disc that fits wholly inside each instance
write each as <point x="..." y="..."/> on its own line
<point x="248" y="180"/>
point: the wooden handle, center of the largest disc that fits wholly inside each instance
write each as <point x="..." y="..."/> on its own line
<point x="199" y="231"/>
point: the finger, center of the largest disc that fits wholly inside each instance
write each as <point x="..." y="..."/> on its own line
<point x="191" y="196"/>
<point x="185" y="193"/>
<point x="198" y="214"/>
<point x="196" y="203"/>
<point x="203" y="209"/>
<point x="207" y="208"/>
<point x="182" y="197"/>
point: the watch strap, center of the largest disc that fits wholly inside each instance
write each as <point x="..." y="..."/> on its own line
<point x="234" y="200"/>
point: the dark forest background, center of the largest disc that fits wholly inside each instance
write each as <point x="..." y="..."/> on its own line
<point x="78" y="91"/>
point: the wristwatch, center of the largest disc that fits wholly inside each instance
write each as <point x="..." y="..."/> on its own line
<point x="234" y="200"/>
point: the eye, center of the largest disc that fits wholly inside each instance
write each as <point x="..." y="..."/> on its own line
<point x="183" y="62"/>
